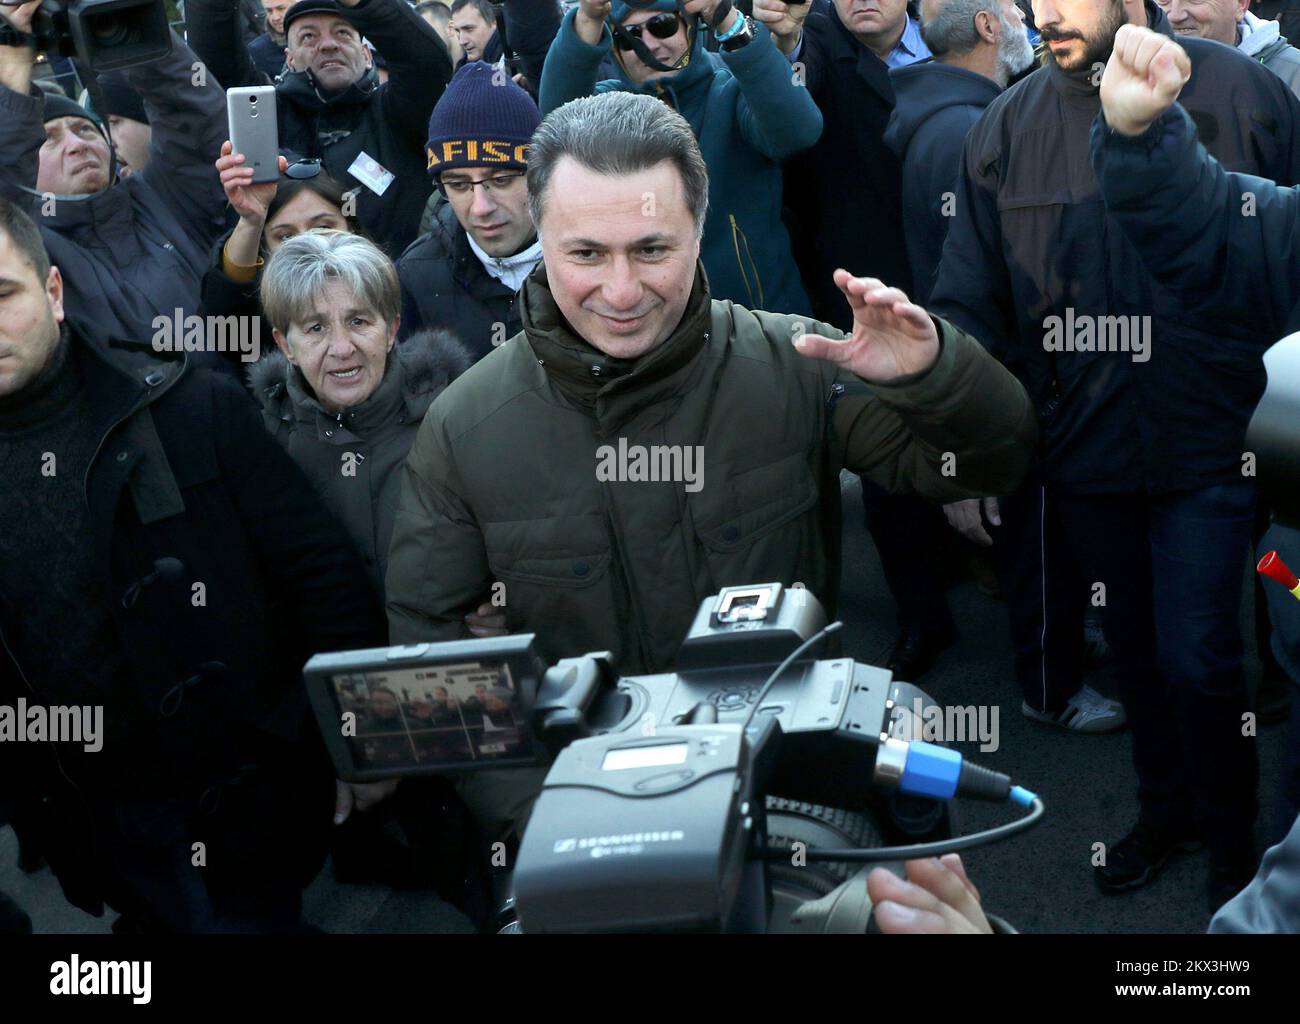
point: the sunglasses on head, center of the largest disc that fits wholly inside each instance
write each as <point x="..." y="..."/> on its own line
<point x="661" y="26"/>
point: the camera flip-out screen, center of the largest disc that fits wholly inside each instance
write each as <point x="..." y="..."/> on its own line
<point x="426" y="708"/>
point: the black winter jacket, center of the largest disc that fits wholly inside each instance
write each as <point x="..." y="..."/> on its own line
<point x="1227" y="244"/>
<point x="389" y="122"/>
<point x="445" y="285"/>
<point x="1032" y="257"/>
<point x="352" y="458"/>
<point x="187" y="472"/>
<point x="844" y="196"/>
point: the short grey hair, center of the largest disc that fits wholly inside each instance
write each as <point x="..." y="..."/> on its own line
<point x="617" y="133"/>
<point x="952" y="29"/>
<point x="306" y="263"/>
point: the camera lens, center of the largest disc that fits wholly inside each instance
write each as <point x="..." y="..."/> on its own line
<point x="111" y="30"/>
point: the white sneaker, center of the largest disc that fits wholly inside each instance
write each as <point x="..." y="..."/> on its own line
<point x="1086" y="711"/>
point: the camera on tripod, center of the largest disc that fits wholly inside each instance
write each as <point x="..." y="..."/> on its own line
<point x="103" y="34"/>
<point x="703" y="799"/>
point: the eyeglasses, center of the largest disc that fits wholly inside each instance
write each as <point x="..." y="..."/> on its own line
<point x="301" y="169"/>
<point x="661" y="26"/>
<point x="461" y="187"/>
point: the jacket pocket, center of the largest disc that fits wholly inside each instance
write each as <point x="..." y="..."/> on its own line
<point x="754" y="503"/>
<point x="559" y="551"/>
<point x="761" y="524"/>
<point x="559" y="582"/>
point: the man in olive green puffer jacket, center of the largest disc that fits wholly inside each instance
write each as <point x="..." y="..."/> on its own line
<point x="541" y="468"/>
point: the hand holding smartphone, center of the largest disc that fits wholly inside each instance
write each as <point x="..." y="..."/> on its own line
<point x="254" y="130"/>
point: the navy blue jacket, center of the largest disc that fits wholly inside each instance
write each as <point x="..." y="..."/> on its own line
<point x="1031" y="240"/>
<point x="1226" y="244"/>
<point x="935" y="106"/>
<point x="267" y="55"/>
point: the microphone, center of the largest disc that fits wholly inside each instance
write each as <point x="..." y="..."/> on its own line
<point x="167" y="568"/>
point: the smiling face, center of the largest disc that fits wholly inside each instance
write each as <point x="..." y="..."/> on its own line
<point x="304" y="212"/>
<point x="1209" y="19"/>
<point x="330" y="47"/>
<point x="472" y="32"/>
<point x="620" y="266"/>
<point x="74" y="158"/>
<point x="666" y="51"/>
<point x="1078" y="33"/>
<point x="341" y="347"/>
<point x="31" y="309"/>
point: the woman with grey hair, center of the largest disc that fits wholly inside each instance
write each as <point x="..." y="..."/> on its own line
<point x="338" y="394"/>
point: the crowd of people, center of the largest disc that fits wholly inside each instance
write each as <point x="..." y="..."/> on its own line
<point x="968" y="250"/>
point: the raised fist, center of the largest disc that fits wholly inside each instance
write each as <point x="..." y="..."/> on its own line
<point x="1143" y="77"/>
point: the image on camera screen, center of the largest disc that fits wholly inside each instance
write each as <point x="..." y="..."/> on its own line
<point x="444" y="714"/>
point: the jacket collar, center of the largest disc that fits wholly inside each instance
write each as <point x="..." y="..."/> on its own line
<point x="384" y="406"/>
<point x="107" y="214"/>
<point x="616" y="390"/>
<point x="844" y="46"/>
<point x="301" y="89"/>
<point x="1081" y="83"/>
<point x="122" y="380"/>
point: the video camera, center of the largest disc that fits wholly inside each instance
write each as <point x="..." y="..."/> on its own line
<point x="704" y="799"/>
<point x="103" y="34"/>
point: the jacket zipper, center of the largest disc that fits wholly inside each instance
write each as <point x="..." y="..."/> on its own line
<point x="622" y="564"/>
<point x="27" y="683"/>
<point x="738" y="236"/>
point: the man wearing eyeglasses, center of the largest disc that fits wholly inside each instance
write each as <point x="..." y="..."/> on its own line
<point x="744" y="104"/>
<point x="463" y="274"/>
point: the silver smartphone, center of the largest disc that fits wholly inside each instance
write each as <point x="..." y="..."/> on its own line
<point x="250" y="112"/>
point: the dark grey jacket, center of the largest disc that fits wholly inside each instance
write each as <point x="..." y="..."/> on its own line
<point x="138" y="249"/>
<point x="352" y="458"/>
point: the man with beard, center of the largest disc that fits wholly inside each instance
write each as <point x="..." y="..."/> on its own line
<point x="1140" y="478"/>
